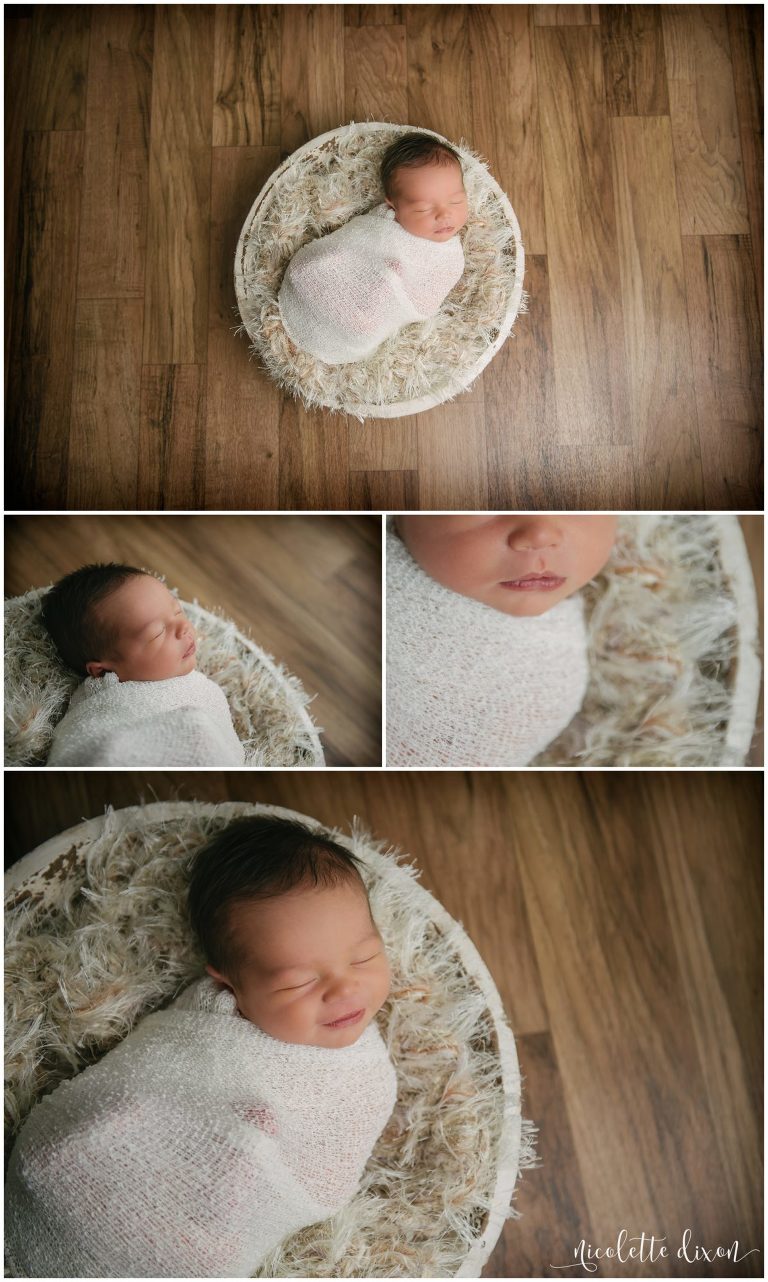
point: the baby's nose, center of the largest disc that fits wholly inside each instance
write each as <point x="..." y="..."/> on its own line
<point x="533" y="535"/>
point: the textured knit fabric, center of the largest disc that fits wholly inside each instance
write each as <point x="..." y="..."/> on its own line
<point x="344" y="294"/>
<point x="184" y="721"/>
<point x="468" y="685"/>
<point x="193" y="1148"/>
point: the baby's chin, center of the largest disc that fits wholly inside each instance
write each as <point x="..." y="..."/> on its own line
<point x="525" y="605"/>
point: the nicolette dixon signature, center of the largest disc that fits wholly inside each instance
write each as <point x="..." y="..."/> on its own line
<point x="647" y="1248"/>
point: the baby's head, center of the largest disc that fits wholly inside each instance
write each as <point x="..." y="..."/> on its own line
<point x="283" y="918"/>
<point x="518" y="563"/>
<point x="423" y="182"/>
<point x="115" y="618"/>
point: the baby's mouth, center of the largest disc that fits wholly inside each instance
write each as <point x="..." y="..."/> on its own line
<point x="346" y="1021"/>
<point x="545" y="582"/>
<point x="190" y="650"/>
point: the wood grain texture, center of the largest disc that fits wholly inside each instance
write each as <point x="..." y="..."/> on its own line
<point x="565" y="15"/>
<point x="246" y="80"/>
<point x="589" y="356"/>
<point x="503" y="63"/>
<point x="239" y="468"/>
<point x="40" y="370"/>
<point x="176" y="295"/>
<point x="439" y="82"/>
<point x="664" y="424"/>
<point x="382" y="491"/>
<point x="18" y="37"/>
<point x="307" y="589"/>
<point x="312" y="72"/>
<point x="633" y="57"/>
<point x="454" y="443"/>
<point x="745" y="30"/>
<point x="138" y="137"/>
<point x="725" y="342"/>
<point x="375" y="74"/>
<point x="519" y="390"/>
<point x="113" y="227"/>
<point x="172" y="436"/>
<point x="705" y="127"/>
<point x="58" y="67"/>
<point x="623" y="911"/>
<point x="104" y="454"/>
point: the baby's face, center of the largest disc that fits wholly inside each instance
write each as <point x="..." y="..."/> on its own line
<point x="519" y="564"/>
<point x="150" y="637"/>
<point x="430" y="201"/>
<point x="313" y="970"/>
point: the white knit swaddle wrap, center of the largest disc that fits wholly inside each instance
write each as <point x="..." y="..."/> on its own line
<point x="193" y="1148"/>
<point x="468" y="685"/>
<point x="344" y="294"/>
<point x="184" y="721"/>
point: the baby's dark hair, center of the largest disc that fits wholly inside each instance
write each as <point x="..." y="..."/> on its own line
<point x="258" y="857"/>
<point x="411" y="151"/>
<point x="68" y="611"/>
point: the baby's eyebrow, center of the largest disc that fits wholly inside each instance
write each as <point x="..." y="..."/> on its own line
<point x="286" y="970"/>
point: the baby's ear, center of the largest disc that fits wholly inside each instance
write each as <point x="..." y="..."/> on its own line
<point x="215" y="974"/>
<point x="96" y="669"/>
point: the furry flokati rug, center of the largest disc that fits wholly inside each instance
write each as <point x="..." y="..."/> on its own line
<point x="98" y="937"/>
<point x="323" y="185"/>
<point x="268" y="705"/>
<point x="672" y="623"/>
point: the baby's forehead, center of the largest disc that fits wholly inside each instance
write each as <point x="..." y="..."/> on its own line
<point x="410" y="179"/>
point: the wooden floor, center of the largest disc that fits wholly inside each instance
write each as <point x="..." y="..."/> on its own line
<point x="629" y="139"/>
<point x="306" y="588"/>
<point x="620" y="916"/>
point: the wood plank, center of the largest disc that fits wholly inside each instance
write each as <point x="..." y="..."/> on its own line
<point x="172" y="437"/>
<point x="113" y="228"/>
<point x="58" y="66"/>
<point x="565" y="15"/>
<point x="633" y="58"/>
<point x="630" y="1059"/>
<point x="384" y="444"/>
<point x="664" y="425"/>
<point x="554" y="1184"/>
<point x="376" y="74"/>
<point x="312" y="72"/>
<point x="507" y="134"/>
<point x="745" y="32"/>
<point x="314" y="458"/>
<point x="176" y="311"/>
<point x="439" y="82"/>
<point x="727" y="1076"/>
<point x="725" y="341"/>
<point x="40" y="373"/>
<point x="705" y="125"/>
<point x="104" y="426"/>
<point x="18" y="39"/>
<point x="587" y="323"/>
<point x="526" y="467"/>
<point x="391" y="491"/>
<point x="453" y="463"/>
<point x="373" y="15"/>
<point x="243" y="403"/>
<point x="246" y="79"/>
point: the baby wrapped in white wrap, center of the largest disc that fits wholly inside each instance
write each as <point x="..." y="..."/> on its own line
<point x="193" y="1148"/>
<point x="182" y="721"/>
<point x="344" y="294"/>
<point x="468" y="685"/>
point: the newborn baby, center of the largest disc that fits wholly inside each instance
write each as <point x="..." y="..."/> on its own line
<point x="486" y="643"/>
<point x="246" y="1110"/>
<point x="142" y="703"/>
<point x="344" y="294"/>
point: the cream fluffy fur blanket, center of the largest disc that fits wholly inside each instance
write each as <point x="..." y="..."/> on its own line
<point x="184" y="721"/>
<point x="344" y="294"/>
<point x="193" y="1148"/>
